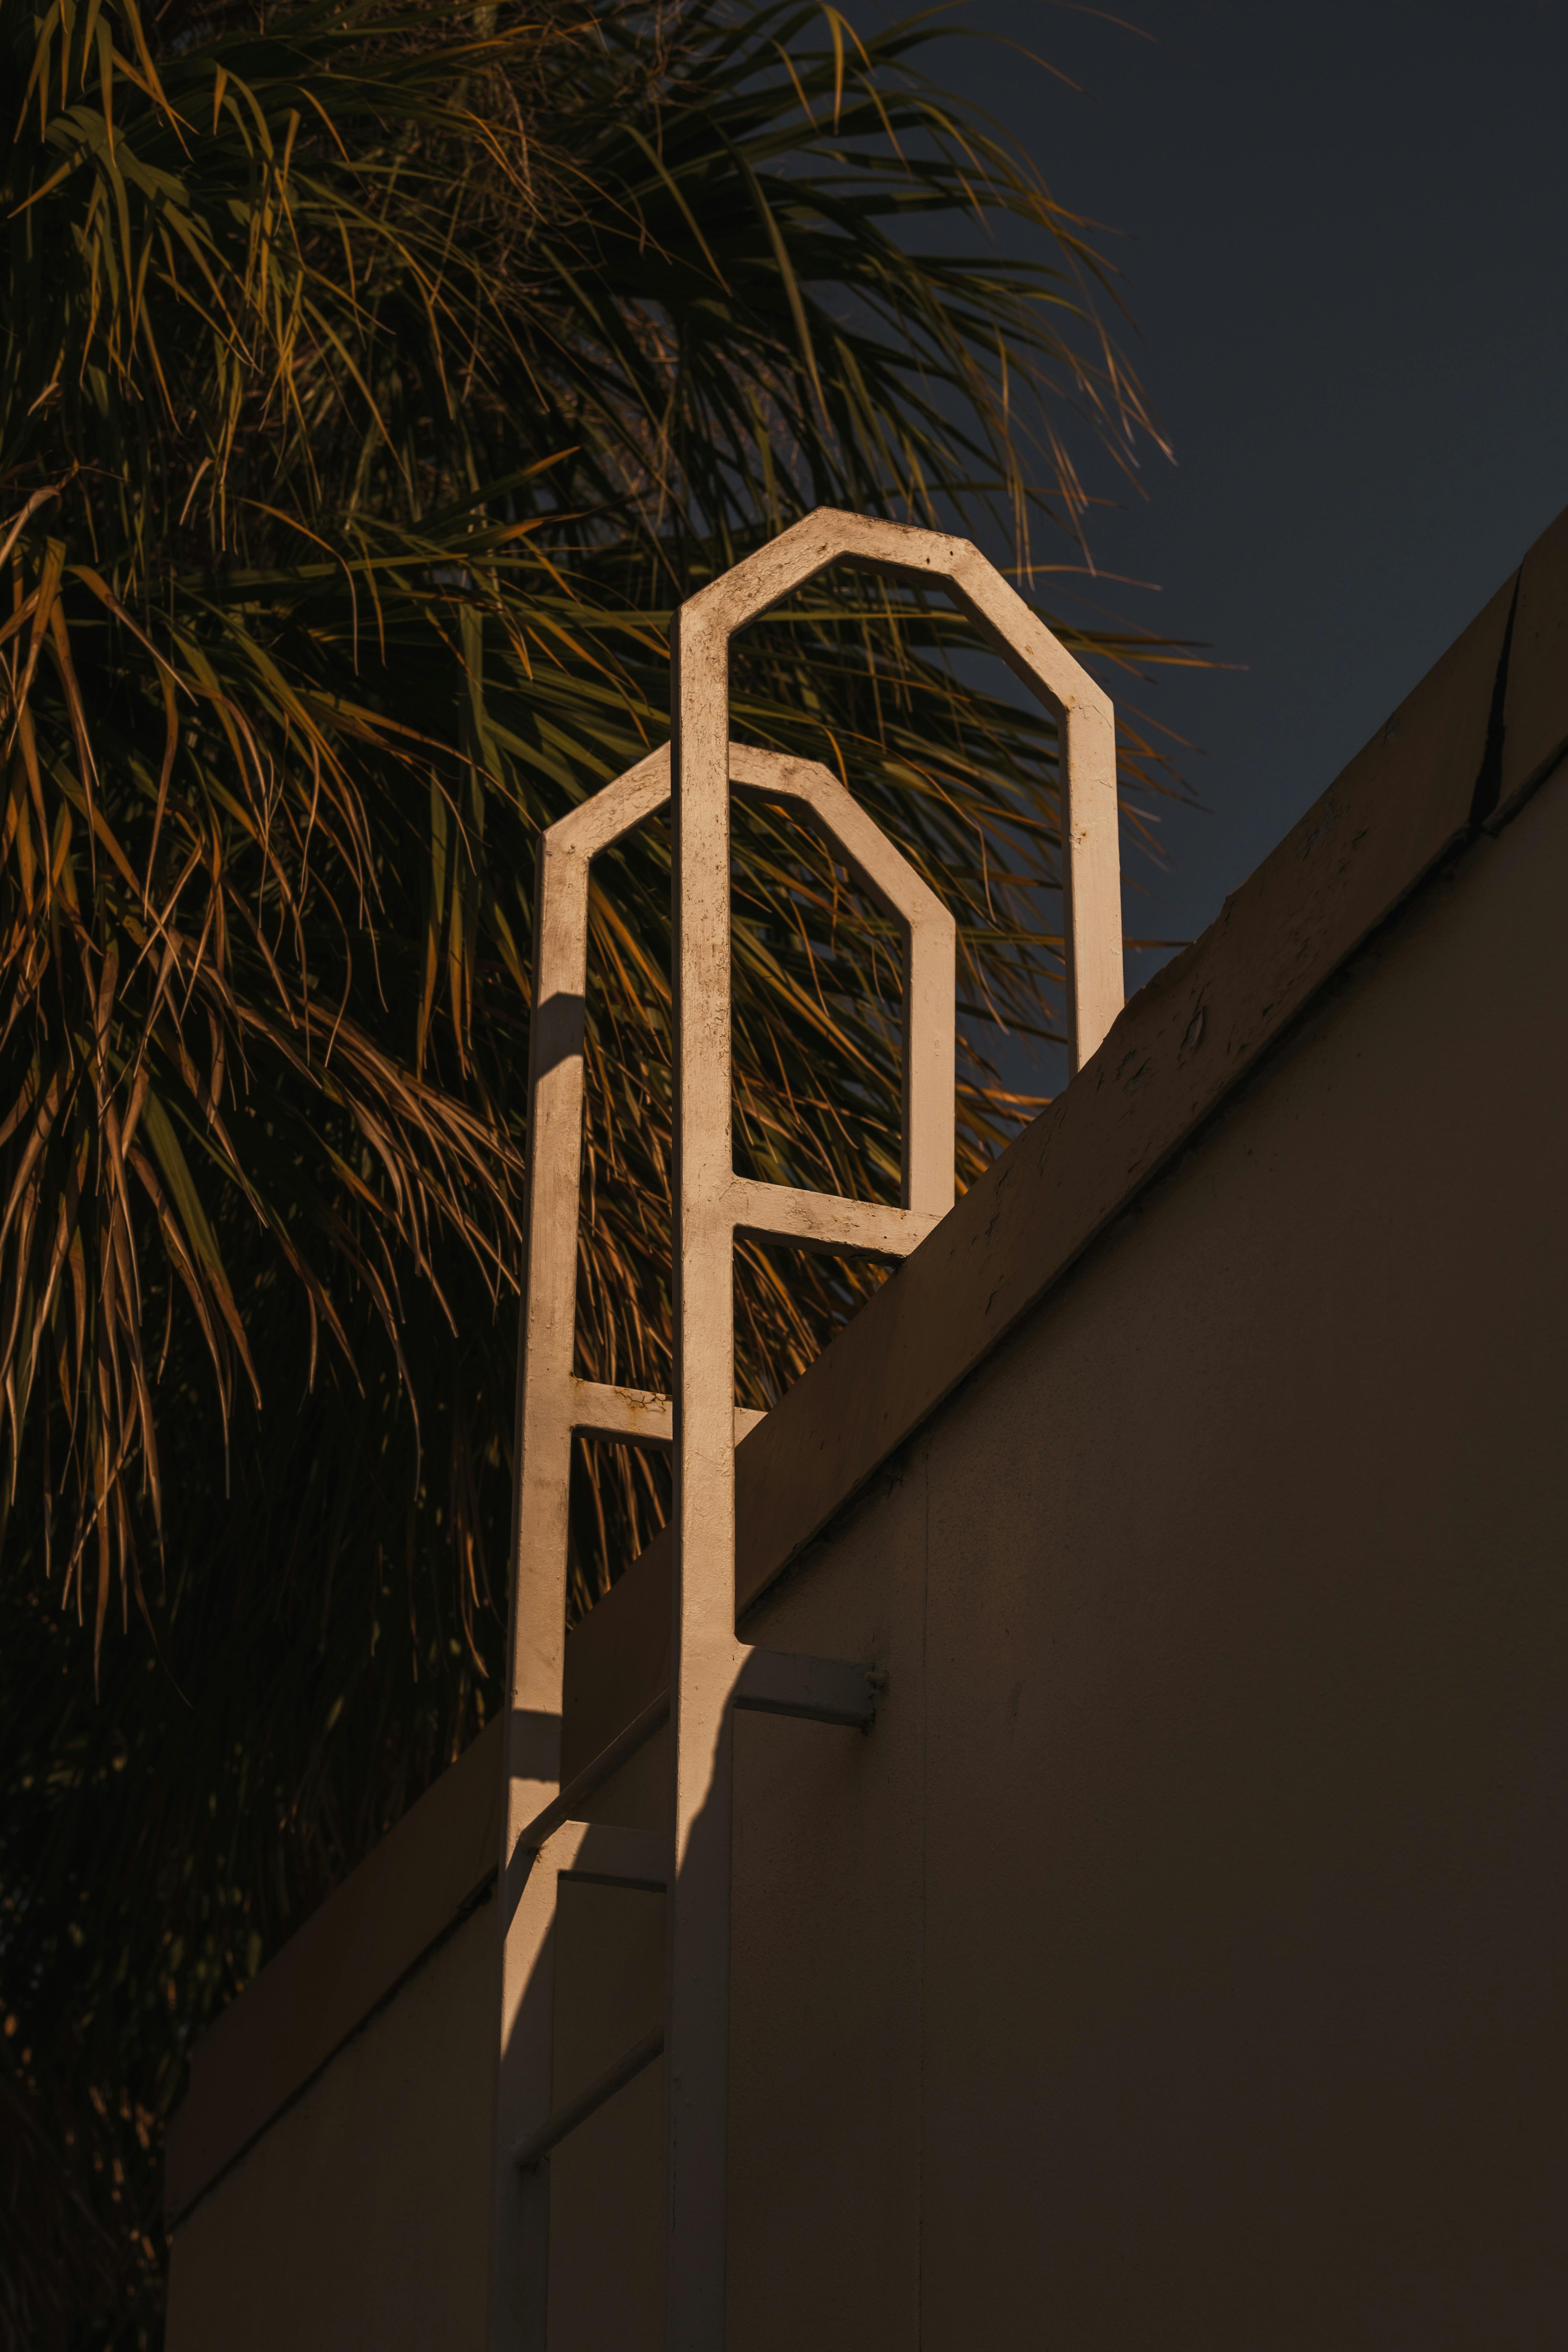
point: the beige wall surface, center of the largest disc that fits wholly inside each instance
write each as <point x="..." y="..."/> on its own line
<point x="606" y="2206"/>
<point x="359" y="2222"/>
<point x="1180" y="1960"/>
<point x="335" y="1971"/>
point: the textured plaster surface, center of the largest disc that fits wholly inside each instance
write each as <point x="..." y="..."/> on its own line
<point x="1224" y="1866"/>
<point x="1178" y="1959"/>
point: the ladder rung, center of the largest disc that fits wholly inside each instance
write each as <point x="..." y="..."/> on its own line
<point x="538" y="2145"/>
<point x="635" y="1416"/>
<point x="822" y="1221"/>
<point x="593" y="1777"/>
<point x="614" y="1855"/>
<point x="817" y="1690"/>
<point x="773" y="1682"/>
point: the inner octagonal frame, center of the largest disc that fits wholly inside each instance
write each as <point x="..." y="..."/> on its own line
<point x="554" y="1403"/>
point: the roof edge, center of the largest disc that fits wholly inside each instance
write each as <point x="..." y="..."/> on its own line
<point x="1180" y="1047"/>
<point x="1487" y="724"/>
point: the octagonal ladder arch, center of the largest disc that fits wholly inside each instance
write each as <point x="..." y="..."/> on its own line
<point x="714" y="1673"/>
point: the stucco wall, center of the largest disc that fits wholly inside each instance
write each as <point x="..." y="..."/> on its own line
<point x="1178" y="1959"/>
<point x="1181" y="1959"/>
<point x="359" y="2220"/>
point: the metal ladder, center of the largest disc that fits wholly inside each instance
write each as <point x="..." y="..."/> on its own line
<point x="714" y="1673"/>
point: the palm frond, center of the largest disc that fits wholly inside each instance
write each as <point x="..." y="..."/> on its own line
<point x="376" y="380"/>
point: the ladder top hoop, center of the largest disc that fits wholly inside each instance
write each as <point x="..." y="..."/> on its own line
<point x="918" y="558"/>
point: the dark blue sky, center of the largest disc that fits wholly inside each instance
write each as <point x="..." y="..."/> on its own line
<point x="1344" y="235"/>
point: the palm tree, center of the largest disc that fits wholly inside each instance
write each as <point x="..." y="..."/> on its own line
<point x="376" y="379"/>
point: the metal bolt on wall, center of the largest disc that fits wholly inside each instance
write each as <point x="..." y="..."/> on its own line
<point x="712" y="1672"/>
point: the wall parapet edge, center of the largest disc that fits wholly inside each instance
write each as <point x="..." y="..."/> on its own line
<point x="1181" y="1048"/>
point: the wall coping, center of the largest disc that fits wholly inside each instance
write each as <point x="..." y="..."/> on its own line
<point x="1487" y="725"/>
<point x="1460" y="754"/>
<point x="336" y="1971"/>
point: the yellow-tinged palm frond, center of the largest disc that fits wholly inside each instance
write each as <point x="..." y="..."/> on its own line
<point x="375" y="379"/>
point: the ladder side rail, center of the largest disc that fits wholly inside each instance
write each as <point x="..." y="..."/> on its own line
<point x="542" y="1489"/>
<point x="710" y="1203"/>
<point x="706" y="1657"/>
<point x="553" y="1403"/>
<point x="1091" y="855"/>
